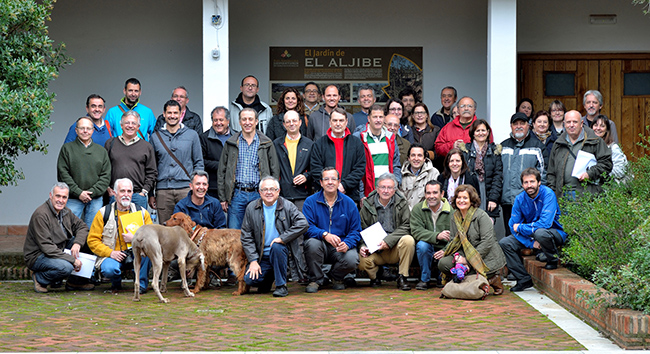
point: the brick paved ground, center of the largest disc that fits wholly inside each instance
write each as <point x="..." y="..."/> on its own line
<point x="354" y="319"/>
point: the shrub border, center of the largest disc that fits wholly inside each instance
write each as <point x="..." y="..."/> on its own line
<point x="629" y="329"/>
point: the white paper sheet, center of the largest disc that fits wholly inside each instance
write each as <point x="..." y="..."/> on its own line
<point x="584" y="160"/>
<point x="87" y="264"/>
<point x="373" y="236"/>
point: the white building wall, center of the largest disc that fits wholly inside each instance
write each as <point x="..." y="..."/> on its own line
<point x="452" y="34"/>
<point x="563" y="26"/>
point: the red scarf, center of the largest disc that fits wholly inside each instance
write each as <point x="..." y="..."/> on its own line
<point x="369" y="177"/>
<point x="338" y="149"/>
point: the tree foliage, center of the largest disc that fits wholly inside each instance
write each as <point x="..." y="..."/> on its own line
<point x="644" y="3"/>
<point x="29" y="61"/>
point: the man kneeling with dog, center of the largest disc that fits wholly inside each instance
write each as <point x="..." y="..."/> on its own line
<point x="271" y="226"/>
<point x="109" y="243"/>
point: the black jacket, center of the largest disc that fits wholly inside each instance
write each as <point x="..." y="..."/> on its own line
<point x="493" y="167"/>
<point x="303" y="155"/>
<point x="354" y="162"/>
<point x="470" y="178"/>
<point x="191" y="120"/>
<point x="275" y="129"/>
<point x="211" y="146"/>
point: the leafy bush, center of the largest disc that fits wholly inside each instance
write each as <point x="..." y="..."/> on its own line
<point x="609" y="236"/>
<point x="28" y="62"/>
<point x="630" y="282"/>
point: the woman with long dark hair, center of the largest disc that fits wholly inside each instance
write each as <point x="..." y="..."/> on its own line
<point x="290" y="100"/>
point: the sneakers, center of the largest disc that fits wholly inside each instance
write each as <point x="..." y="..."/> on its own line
<point x="79" y="287"/>
<point x="281" y="291"/>
<point x="38" y="287"/>
<point x="312" y="287"/>
<point x="522" y="285"/>
<point x="338" y="285"/>
<point x="375" y="283"/>
<point x="421" y="285"/>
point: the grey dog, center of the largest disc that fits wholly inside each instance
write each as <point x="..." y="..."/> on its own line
<point x="162" y="245"/>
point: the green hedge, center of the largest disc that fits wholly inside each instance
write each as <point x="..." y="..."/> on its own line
<point x="609" y="236"/>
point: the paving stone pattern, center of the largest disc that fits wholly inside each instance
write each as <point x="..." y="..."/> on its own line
<point x="356" y="319"/>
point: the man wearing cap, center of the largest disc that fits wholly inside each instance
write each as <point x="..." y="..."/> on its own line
<point x="520" y="151"/>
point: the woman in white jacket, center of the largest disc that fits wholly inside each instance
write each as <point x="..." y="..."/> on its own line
<point x="602" y="128"/>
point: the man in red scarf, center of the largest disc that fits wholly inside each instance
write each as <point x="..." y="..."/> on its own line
<point x="340" y="149"/>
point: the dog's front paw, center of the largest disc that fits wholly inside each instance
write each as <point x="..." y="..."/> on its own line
<point x="236" y="293"/>
<point x="136" y="299"/>
<point x="164" y="300"/>
<point x="189" y="294"/>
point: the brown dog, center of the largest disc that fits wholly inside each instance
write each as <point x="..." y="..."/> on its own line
<point x="162" y="245"/>
<point x="220" y="248"/>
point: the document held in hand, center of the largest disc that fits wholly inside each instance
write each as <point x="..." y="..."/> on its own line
<point x="373" y="236"/>
<point x="131" y="223"/>
<point x="87" y="264"/>
<point x="584" y="160"/>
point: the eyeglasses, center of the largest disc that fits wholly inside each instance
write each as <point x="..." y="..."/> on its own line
<point x="264" y="190"/>
<point x="392" y="125"/>
<point x="466" y="106"/>
<point x="395" y="109"/>
<point x="249" y="85"/>
<point x="328" y="179"/>
<point x="419" y="113"/>
<point x="311" y="91"/>
<point x="175" y="97"/>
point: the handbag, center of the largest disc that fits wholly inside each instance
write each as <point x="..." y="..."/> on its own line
<point x="473" y="287"/>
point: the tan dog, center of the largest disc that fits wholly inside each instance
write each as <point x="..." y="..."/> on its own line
<point x="162" y="245"/>
<point x="220" y="247"/>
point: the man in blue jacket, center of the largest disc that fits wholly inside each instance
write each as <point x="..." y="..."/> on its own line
<point x="333" y="234"/>
<point x="203" y="209"/>
<point x="535" y="223"/>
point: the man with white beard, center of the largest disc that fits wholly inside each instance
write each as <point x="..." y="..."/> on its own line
<point x="520" y="151"/>
<point x="111" y="246"/>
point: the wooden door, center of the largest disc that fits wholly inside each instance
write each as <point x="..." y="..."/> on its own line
<point x="606" y="73"/>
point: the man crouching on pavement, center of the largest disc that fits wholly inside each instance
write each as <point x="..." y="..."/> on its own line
<point x="52" y="228"/>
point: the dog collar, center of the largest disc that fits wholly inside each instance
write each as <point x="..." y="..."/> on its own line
<point x="196" y="232"/>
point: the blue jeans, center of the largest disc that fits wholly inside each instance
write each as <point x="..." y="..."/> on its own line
<point x="87" y="210"/>
<point x="50" y="270"/>
<point x="237" y="207"/>
<point x="424" y="252"/>
<point x="136" y="199"/>
<point x="274" y="267"/>
<point x="112" y="270"/>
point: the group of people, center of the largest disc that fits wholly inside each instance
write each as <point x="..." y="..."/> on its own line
<point x="302" y="184"/>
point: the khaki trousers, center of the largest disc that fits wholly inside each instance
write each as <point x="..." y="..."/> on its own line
<point x="166" y="200"/>
<point x="402" y="253"/>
